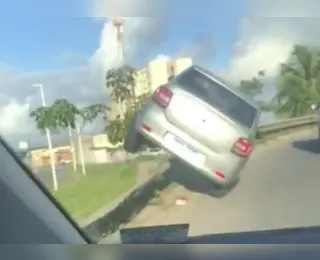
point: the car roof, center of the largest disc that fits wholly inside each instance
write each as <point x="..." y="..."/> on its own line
<point x="226" y="84"/>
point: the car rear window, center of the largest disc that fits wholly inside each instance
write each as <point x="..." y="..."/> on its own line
<point x="218" y="96"/>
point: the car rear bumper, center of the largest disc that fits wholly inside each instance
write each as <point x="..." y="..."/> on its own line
<point x="222" y="168"/>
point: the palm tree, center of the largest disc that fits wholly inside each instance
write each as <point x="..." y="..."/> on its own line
<point x="298" y="83"/>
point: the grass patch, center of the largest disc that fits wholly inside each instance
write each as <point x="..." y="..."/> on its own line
<point x="102" y="184"/>
<point x="159" y="158"/>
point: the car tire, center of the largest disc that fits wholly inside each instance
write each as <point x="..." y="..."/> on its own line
<point x="133" y="140"/>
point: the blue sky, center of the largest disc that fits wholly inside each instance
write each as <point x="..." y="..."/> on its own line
<point x="43" y="8"/>
<point x="42" y="36"/>
<point x="33" y="42"/>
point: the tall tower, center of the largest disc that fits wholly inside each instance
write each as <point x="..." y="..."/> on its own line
<point x="118" y="24"/>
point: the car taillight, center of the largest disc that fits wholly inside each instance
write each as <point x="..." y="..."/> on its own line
<point x="242" y="147"/>
<point x="162" y="96"/>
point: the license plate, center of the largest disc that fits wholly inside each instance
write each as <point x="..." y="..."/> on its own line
<point x="184" y="150"/>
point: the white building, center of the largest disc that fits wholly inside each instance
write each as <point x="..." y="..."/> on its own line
<point x="149" y="79"/>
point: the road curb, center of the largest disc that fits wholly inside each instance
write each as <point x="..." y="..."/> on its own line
<point x="124" y="208"/>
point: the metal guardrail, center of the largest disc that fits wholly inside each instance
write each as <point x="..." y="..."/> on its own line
<point x="111" y="220"/>
<point x="286" y="124"/>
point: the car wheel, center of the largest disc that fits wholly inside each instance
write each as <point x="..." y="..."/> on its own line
<point x="133" y="140"/>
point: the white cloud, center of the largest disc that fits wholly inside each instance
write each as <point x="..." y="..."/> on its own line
<point x="163" y="57"/>
<point x="266" y="39"/>
<point x="14" y="118"/>
<point x="140" y="33"/>
<point x="262" y="45"/>
<point x="128" y="8"/>
<point x="81" y="85"/>
<point x="200" y="49"/>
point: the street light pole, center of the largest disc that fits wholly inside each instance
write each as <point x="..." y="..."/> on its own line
<point x="74" y="162"/>
<point x="52" y="160"/>
<point x="81" y="155"/>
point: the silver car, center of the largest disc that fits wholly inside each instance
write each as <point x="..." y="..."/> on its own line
<point x="201" y="120"/>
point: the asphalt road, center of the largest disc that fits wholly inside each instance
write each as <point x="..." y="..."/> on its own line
<point x="280" y="188"/>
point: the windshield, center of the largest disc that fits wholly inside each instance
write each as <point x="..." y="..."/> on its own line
<point x="218" y="96"/>
<point x="81" y="106"/>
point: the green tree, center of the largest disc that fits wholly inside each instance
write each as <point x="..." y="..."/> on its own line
<point x="298" y="83"/>
<point x="266" y="106"/>
<point x="70" y="116"/>
<point x="122" y="82"/>
<point x="86" y="116"/>
<point x="63" y="115"/>
<point x="116" y="130"/>
<point x="254" y="86"/>
<point x="90" y="113"/>
<point x="44" y="118"/>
